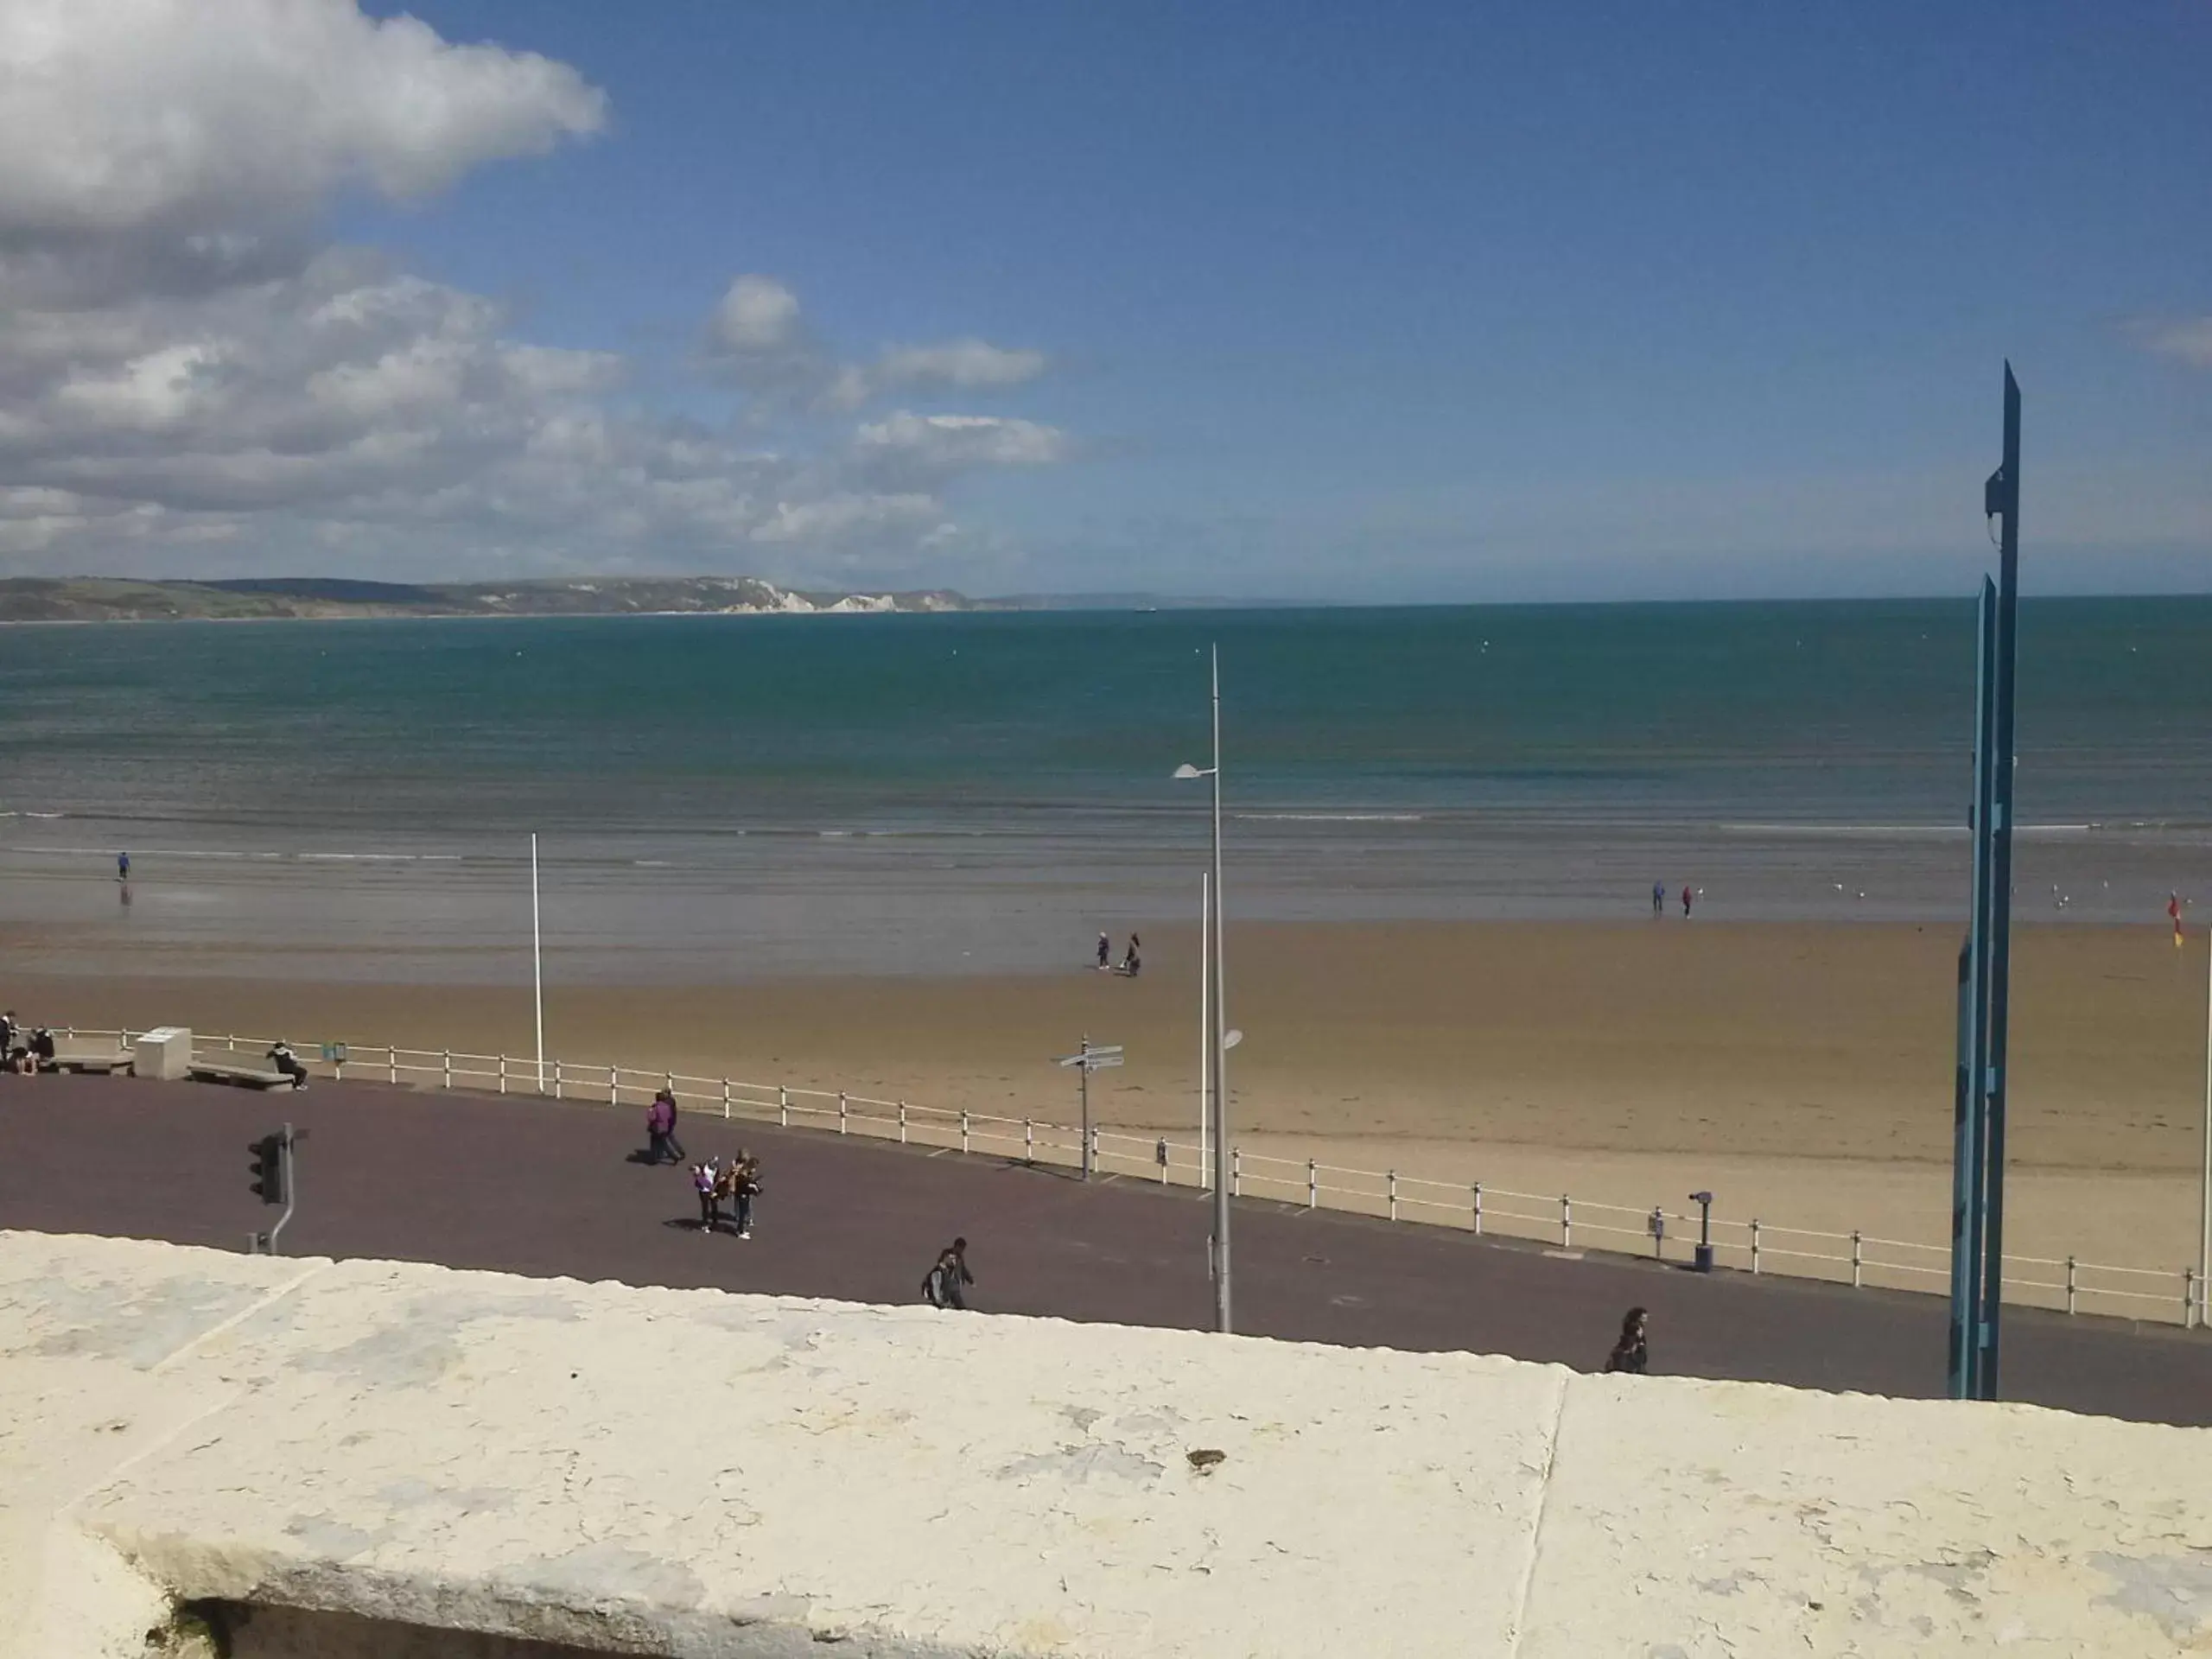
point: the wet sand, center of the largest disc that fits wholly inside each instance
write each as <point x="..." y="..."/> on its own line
<point x="1802" y="1072"/>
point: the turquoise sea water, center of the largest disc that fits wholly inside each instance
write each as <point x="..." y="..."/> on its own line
<point x="765" y="793"/>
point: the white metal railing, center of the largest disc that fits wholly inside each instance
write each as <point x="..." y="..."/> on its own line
<point x="1755" y="1245"/>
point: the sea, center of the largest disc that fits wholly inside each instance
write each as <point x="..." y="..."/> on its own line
<point x="726" y="798"/>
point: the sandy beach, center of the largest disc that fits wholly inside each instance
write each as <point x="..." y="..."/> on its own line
<point x="1801" y="1072"/>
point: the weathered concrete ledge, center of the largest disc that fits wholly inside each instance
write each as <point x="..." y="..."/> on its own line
<point x="688" y="1472"/>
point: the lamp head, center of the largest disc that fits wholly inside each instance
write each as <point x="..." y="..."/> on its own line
<point x="1187" y="771"/>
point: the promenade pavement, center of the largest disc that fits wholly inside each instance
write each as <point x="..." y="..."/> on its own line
<point x="544" y="1188"/>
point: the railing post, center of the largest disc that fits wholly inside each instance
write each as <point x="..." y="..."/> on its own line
<point x="390" y="1059"/>
<point x="2188" y="1296"/>
<point x="725" y="1099"/>
<point x="1313" y="1185"/>
<point x="1237" y="1172"/>
<point x="556" y="1080"/>
<point x="668" y="1082"/>
<point x="902" y="1122"/>
<point x="1755" y="1243"/>
<point x="614" y="1085"/>
<point x="1094" y="1147"/>
<point x="841" y="1111"/>
<point x="1565" y="1222"/>
<point x="1479" y="1209"/>
<point x="1854" y="1259"/>
<point x="782" y="1106"/>
<point x="1392" y="1176"/>
<point x="963" y="1129"/>
<point x="2069" y="1284"/>
<point x="503" y="1073"/>
<point x="1029" y="1141"/>
<point x="449" y="1057"/>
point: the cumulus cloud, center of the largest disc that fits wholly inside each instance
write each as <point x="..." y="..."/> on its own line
<point x="188" y="374"/>
<point x="758" y="341"/>
<point x="186" y="141"/>
<point x="2188" y="341"/>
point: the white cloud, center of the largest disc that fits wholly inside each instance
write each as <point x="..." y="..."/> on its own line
<point x="185" y="374"/>
<point x="2188" y="341"/>
<point x="210" y="118"/>
<point x="964" y="363"/>
<point x="941" y="442"/>
<point x="758" y="341"/>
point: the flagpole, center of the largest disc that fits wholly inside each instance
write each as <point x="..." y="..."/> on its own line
<point x="536" y="962"/>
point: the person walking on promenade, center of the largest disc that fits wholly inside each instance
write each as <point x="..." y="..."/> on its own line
<point x="1632" y="1354"/>
<point x="945" y="1284"/>
<point x="664" y="1108"/>
<point x="705" y="1180"/>
<point x="289" y="1064"/>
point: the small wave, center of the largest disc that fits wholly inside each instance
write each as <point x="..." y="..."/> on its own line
<point x="1328" y="817"/>
<point x="13" y="813"/>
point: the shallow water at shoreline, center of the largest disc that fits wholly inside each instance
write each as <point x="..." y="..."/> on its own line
<point x="742" y="798"/>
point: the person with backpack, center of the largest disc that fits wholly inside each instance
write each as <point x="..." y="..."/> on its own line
<point x="945" y="1284"/>
<point x="1632" y="1352"/>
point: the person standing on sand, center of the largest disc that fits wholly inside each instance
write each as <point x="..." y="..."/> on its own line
<point x="1632" y="1354"/>
<point x="123" y="867"/>
<point x="2173" y="911"/>
<point x="1105" y="953"/>
<point x="1658" y="899"/>
<point x="1686" y="896"/>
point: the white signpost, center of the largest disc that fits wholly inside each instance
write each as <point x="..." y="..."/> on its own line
<point x="1087" y="1060"/>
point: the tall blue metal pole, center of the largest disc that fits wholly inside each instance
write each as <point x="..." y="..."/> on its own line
<point x="1985" y="963"/>
<point x="2003" y="495"/>
<point x="1969" y="1176"/>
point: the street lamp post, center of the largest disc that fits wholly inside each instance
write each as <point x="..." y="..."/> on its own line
<point x="1219" y="1026"/>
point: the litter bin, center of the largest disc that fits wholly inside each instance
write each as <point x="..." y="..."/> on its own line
<point x="1701" y="1259"/>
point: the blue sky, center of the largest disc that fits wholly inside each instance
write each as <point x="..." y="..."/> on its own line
<point x="1405" y="302"/>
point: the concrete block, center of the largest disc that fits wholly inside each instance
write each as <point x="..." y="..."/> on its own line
<point x="163" y="1053"/>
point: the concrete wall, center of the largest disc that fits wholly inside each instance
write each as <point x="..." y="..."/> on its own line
<point x="701" y="1474"/>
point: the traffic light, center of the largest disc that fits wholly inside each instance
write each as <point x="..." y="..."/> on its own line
<point x="269" y="1168"/>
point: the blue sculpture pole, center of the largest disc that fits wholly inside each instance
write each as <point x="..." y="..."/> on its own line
<point x="1969" y="1174"/>
<point x="1985" y="966"/>
<point x="2002" y="496"/>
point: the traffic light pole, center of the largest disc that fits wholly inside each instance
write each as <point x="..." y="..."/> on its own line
<point x="277" y="1181"/>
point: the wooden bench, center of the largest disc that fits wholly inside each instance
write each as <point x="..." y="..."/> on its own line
<point x="76" y="1056"/>
<point x="243" y="1077"/>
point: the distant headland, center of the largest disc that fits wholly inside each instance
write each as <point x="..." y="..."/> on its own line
<point x="97" y="599"/>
